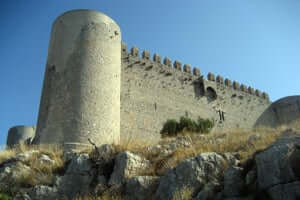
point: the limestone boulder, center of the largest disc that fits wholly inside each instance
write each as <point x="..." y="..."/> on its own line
<point x="234" y="184"/>
<point x="43" y="192"/>
<point x="141" y="187"/>
<point x="193" y="173"/>
<point x="278" y="172"/>
<point x="128" y="165"/>
<point x="12" y="175"/>
<point x="78" y="177"/>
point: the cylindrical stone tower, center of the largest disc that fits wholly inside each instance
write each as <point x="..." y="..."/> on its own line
<point x="19" y="134"/>
<point x="81" y="92"/>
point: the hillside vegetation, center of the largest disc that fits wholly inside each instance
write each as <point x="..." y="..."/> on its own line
<point x="45" y="163"/>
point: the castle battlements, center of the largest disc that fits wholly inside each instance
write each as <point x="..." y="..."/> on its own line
<point x="186" y="69"/>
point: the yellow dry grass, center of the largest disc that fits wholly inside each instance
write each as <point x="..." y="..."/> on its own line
<point x="43" y="172"/>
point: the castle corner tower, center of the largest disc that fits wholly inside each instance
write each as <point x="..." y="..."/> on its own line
<point x="81" y="91"/>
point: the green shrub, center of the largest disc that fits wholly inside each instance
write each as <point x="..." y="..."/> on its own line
<point x="5" y="197"/>
<point x="172" y="127"/>
<point x="204" y="125"/>
<point x="187" y="124"/>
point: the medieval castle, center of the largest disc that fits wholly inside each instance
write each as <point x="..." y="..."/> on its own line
<point x="96" y="88"/>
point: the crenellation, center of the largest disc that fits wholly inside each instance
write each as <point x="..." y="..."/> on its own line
<point x="196" y="71"/>
<point x="146" y="55"/>
<point x="243" y="88"/>
<point x="265" y="95"/>
<point x="177" y="65"/>
<point x="210" y="76"/>
<point x="156" y="58"/>
<point x="236" y="85"/>
<point x="251" y="90"/>
<point x="134" y="51"/>
<point x="168" y="62"/>
<point x="220" y="79"/>
<point x="258" y="93"/>
<point x="124" y="48"/>
<point x="228" y="82"/>
<point x="187" y="68"/>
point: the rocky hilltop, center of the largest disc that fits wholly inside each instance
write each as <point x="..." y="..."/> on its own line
<point x="258" y="164"/>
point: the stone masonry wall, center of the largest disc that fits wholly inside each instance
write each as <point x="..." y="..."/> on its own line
<point x="152" y="92"/>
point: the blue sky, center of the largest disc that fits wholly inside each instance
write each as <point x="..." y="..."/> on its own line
<point x="252" y="41"/>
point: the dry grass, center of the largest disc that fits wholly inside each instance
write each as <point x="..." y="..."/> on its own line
<point x="44" y="172"/>
<point x="185" y="193"/>
<point x="233" y="141"/>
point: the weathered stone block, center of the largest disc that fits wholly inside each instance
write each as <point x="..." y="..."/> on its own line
<point x="211" y="76"/>
<point x="167" y="62"/>
<point x="146" y="55"/>
<point x="236" y="85"/>
<point x="187" y="68"/>
<point x="124" y="48"/>
<point x="258" y="93"/>
<point x="156" y="58"/>
<point x="177" y="65"/>
<point x="228" y="82"/>
<point x="196" y="71"/>
<point x="135" y="51"/>
<point x="220" y="79"/>
<point x="265" y="95"/>
<point x="251" y="90"/>
<point x="243" y="88"/>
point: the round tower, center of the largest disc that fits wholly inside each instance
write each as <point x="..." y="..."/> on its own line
<point x="19" y="134"/>
<point x="81" y="91"/>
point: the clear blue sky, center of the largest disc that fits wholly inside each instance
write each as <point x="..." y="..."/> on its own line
<point x="256" y="42"/>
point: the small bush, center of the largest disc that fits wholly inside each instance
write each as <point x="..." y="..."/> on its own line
<point x="172" y="127"/>
<point x="204" y="125"/>
<point x="5" y="196"/>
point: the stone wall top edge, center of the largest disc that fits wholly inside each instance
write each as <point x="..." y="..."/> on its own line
<point x="185" y="69"/>
<point x="83" y="10"/>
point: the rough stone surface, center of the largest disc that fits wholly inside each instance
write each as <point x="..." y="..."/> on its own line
<point x="195" y="172"/>
<point x="20" y="134"/>
<point x="275" y="168"/>
<point x="81" y="91"/>
<point x="141" y="187"/>
<point x="233" y="182"/>
<point x="150" y="97"/>
<point x="43" y="192"/>
<point x="78" y="177"/>
<point x="209" y="191"/>
<point x="282" y="111"/>
<point x="127" y="165"/>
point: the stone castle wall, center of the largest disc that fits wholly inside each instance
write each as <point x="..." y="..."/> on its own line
<point x="153" y="91"/>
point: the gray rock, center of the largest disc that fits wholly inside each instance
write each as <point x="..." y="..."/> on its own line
<point x="79" y="164"/>
<point x="273" y="164"/>
<point x="128" y="165"/>
<point x="289" y="191"/>
<point x="12" y="175"/>
<point x="278" y="168"/>
<point x="24" y="157"/>
<point x="193" y="173"/>
<point x="234" y="183"/>
<point x="209" y="191"/>
<point x="22" y="196"/>
<point x="74" y="184"/>
<point x="250" y="177"/>
<point x="78" y="177"/>
<point x="45" y="159"/>
<point x="141" y="187"/>
<point x="43" y="192"/>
